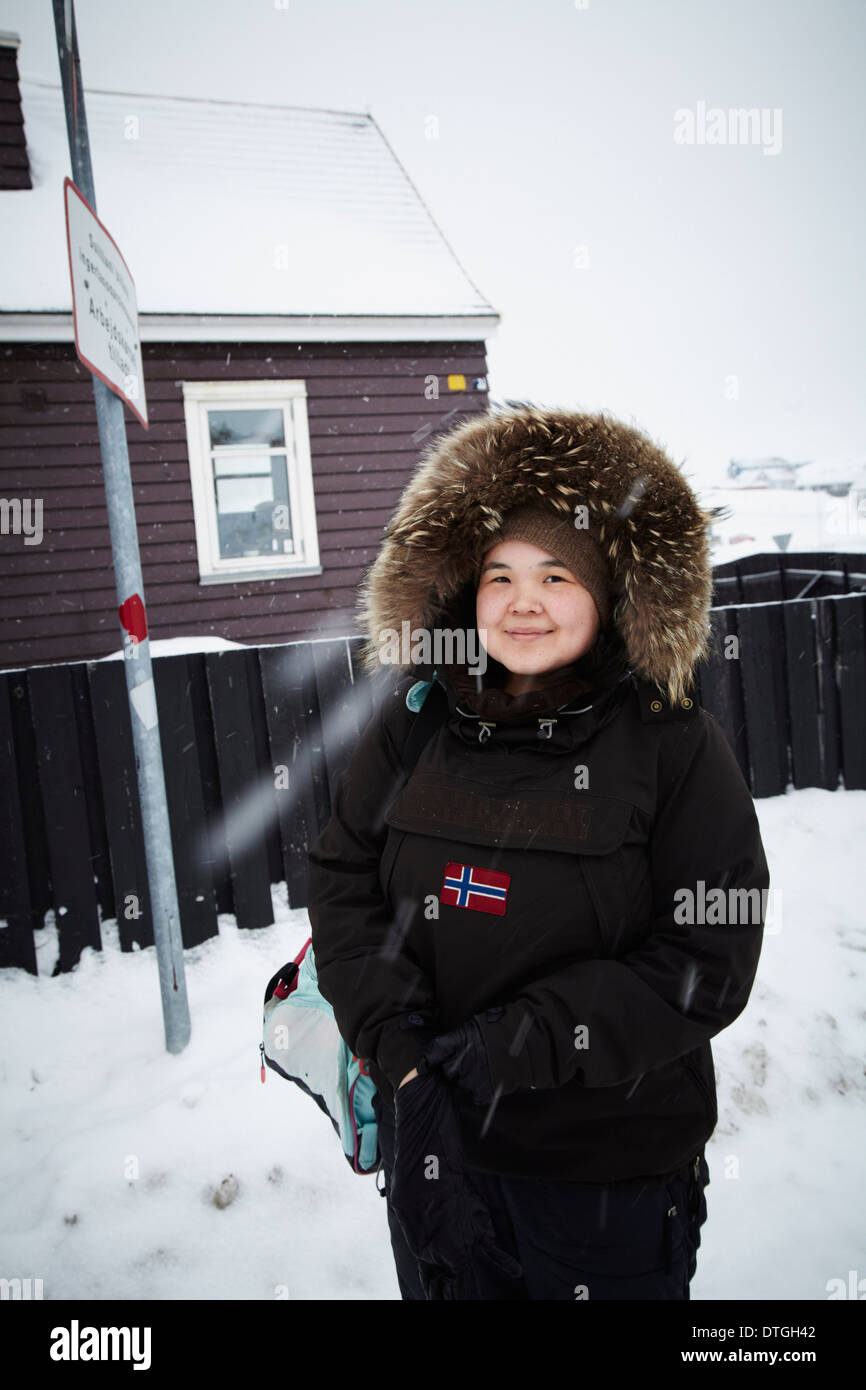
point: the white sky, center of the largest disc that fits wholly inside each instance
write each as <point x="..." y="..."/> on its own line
<point x="556" y="131"/>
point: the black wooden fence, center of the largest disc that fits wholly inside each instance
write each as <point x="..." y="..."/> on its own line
<point x="254" y="739"/>
<point x="790" y="690"/>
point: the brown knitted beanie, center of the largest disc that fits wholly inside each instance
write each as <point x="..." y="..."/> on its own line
<point x="577" y="547"/>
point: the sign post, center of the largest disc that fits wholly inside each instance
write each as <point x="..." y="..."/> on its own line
<point x="107" y="341"/>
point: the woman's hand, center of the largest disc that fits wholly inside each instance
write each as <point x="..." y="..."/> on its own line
<point x="408" y="1076"/>
<point x="462" y="1056"/>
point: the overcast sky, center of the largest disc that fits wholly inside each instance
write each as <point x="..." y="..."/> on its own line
<point x="710" y="293"/>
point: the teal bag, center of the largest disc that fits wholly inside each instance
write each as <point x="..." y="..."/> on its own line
<point x="302" y="1043"/>
<point x="301" y="1040"/>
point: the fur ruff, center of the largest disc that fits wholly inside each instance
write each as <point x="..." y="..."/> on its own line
<point x="652" y="529"/>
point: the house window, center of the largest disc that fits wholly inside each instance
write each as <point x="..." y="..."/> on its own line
<point x="252" y="479"/>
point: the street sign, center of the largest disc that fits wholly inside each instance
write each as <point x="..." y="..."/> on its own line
<point x="103" y="303"/>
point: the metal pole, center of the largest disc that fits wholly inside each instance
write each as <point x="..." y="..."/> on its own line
<point x="127" y="573"/>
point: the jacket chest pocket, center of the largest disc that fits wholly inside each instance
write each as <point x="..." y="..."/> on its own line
<point x="574" y="822"/>
<point x="590" y="829"/>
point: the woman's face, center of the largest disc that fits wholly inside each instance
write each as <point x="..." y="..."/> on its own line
<point x="537" y="614"/>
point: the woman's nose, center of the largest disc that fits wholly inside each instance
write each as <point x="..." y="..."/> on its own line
<point x="524" y="600"/>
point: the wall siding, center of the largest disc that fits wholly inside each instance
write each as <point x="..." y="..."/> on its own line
<point x="14" y="164"/>
<point x="368" y="420"/>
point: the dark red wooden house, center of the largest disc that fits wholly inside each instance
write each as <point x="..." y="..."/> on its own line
<point x="305" y="328"/>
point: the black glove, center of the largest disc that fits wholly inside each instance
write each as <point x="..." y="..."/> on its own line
<point x="444" y="1220"/>
<point x="462" y="1056"/>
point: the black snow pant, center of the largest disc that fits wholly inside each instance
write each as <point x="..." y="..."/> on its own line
<point x="575" y="1241"/>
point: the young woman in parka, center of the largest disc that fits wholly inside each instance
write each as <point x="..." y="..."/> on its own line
<point x="533" y="939"/>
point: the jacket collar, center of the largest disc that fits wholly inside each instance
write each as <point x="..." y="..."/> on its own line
<point x="559" y="715"/>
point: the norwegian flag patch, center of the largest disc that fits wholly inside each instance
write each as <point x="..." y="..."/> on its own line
<point x="484" y="890"/>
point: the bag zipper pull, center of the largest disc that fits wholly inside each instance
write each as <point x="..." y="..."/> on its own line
<point x="262" y="1051"/>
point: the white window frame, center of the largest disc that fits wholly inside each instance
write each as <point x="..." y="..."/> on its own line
<point x="198" y="396"/>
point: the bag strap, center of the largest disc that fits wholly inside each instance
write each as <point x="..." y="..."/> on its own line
<point x="428" y="719"/>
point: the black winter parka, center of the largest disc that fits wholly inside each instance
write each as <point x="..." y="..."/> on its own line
<point x="596" y="1001"/>
<point x="581" y="871"/>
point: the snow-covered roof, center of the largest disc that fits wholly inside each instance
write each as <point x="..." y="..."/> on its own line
<point x="223" y="207"/>
<point x="833" y="471"/>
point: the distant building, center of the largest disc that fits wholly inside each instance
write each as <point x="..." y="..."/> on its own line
<point x="305" y="329"/>
<point x="764" y="472"/>
<point x="836" y="476"/>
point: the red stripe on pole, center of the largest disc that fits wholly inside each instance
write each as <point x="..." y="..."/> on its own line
<point x="133" y="618"/>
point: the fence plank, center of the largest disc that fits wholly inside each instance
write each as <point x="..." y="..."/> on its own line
<point x="801" y="660"/>
<point x="366" y="690"/>
<point x="33" y="816"/>
<point x="850" y="616"/>
<point x="760" y="578"/>
<point x="371" y="690"/>
<point x="261" y="754"/>
<point x="17" y="947"/>
<point x="727" y="586"/>
<point x="210" y="782"/>
<point x="720" y="689"/>
<point x="288" y="685"/>
<point x="830" y="573"/>
<point x="115" y="752"/>
<point x="247" y="798"/>
<point x="92" y="783"/>
<point x="828" y="695"/>
<point x="764" y="695"/>
<point x="338" y="706"/>
<point x="191" y="845"/>
<point x="61" y="785"/>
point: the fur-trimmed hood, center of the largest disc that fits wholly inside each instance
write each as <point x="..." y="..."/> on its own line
<point x="652" y="529"/>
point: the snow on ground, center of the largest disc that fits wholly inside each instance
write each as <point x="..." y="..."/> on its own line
<point x="112" y="1148"/>
<point x="176" y="646"/>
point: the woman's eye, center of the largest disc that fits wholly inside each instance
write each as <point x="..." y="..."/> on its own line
<point x="561" y="577"/>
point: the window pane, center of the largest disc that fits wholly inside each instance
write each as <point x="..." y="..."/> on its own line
<point x="246" y="427"/>
<point x="253" y="512"/>
<point x="229" y="465"/>
<point x="242" y="494"/>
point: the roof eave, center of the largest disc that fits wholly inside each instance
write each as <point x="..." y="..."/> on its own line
<point x="57" y="327"/>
